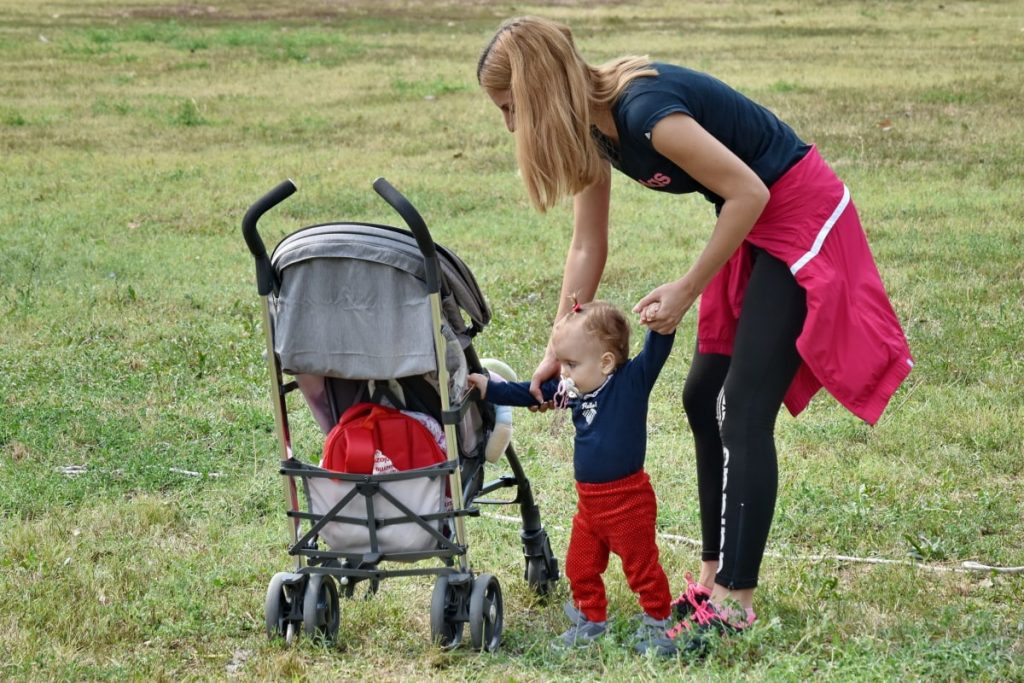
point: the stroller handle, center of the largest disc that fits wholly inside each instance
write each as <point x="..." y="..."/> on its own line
<point x="415" y="222"/>
<point x="265" y="279"/>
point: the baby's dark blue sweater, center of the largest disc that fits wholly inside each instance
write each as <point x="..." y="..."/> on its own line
<point x="611" y="421"/>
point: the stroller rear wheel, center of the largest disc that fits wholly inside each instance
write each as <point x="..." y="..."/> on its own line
<point x="445" y="626"/>
<point x="486" y="613"/>
<point x="320" y="607"/>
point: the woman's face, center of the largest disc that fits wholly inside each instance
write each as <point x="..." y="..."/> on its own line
<point x="503" y="100"/>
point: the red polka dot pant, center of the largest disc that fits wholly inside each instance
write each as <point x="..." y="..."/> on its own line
<point x="616" y="517"/>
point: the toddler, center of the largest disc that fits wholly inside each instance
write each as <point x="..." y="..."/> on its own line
<point x="608" y="394"/>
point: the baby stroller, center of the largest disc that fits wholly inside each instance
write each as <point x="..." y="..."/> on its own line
<point x="361" y="313"/>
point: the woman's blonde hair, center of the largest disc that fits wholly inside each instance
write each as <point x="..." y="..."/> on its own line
<point x="553" y="92"/>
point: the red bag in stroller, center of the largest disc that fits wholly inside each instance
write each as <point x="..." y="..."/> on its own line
<point x="368" y="428"/>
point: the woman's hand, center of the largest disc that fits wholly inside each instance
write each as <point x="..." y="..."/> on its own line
<point x="665" y="306"/>
<point x="548" y="368"/>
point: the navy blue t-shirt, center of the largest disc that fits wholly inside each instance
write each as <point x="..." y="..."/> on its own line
<point x="611" y="421"/>
<point x="751" y="132"/>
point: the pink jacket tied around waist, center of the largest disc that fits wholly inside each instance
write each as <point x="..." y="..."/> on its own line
<point x="852" y="343"/>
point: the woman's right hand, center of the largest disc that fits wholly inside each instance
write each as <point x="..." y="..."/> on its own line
<point x="548" y="368"/>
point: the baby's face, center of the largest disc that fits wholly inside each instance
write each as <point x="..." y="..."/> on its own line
<point x="581" y="358"/>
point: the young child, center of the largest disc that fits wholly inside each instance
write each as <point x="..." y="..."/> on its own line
<point x="608" y="394"/>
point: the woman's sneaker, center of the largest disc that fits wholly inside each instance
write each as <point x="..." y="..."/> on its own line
<point x="695" y="595"/>
<point x="693" y="635"/>
<point x="583" y="632"/>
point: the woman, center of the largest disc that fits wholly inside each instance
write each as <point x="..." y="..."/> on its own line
<point x="790" y="298"/>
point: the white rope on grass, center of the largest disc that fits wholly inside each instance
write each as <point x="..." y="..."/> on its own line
<point x="78" y="470"/>
<point x="964" y="567"/>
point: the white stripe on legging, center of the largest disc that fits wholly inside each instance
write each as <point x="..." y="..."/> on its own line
<point x="823" y="233"/>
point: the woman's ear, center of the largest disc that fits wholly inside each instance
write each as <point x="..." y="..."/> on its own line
<point x="607" y="363"/>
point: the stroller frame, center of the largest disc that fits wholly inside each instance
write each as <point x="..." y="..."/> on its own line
<point x="306" y="599"/>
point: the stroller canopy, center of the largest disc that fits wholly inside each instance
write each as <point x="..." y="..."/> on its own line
<point x="353" y="303"/>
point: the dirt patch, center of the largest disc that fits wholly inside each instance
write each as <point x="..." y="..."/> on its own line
<point x="17" y="451"/>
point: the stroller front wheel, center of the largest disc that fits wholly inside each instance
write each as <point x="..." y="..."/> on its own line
<point x="445" y="626"/>
<point x="539" y="576"/>
<point x="320" y="607"/>
<point x="282" y="606"/>
<point x="486" y="613"/>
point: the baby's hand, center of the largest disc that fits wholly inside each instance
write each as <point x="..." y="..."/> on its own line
<point x="649" y="311"/>
<point x="480" y="382"/>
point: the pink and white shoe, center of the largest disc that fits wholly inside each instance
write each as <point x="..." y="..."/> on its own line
<point x="690" y="599"/>
<point x="693" y="635"/>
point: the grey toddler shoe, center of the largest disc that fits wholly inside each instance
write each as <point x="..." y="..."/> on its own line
<point x="651" y="636"/>
<point x="583" y="632"/>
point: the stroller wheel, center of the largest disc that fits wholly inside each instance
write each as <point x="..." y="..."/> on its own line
<point x="279" y="610"/>
<point x="538" y="577"/>
<point x="320" y="607"/>
<point x="445" y="628"/>
<point x="486" y="613"/>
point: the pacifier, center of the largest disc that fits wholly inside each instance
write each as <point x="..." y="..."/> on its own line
<point x="566" y="392"/>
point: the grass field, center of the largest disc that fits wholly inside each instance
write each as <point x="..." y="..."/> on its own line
<point x="133" y="136"/>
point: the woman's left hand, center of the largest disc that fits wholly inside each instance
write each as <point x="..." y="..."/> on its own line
<point x="665" y="306"/>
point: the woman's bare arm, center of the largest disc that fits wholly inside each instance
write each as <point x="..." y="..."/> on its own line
<point x="584" y="262"/>
<point x="682" y="140"/>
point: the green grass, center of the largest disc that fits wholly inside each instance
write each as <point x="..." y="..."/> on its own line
<point x="133" y="136"/>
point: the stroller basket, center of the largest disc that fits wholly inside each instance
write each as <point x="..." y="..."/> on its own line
<point x="356" y="312"/>
<point x="368" y="519"/>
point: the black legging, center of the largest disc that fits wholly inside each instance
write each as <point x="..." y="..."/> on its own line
<point x="750" y="387"/>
